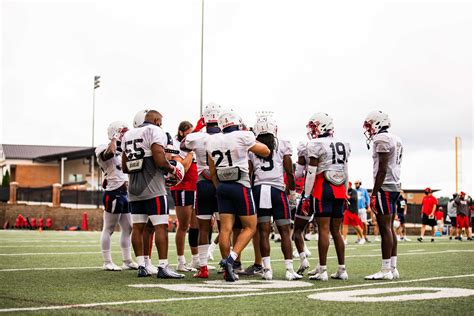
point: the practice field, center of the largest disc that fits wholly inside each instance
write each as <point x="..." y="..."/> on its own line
<point x="59" y="273"/>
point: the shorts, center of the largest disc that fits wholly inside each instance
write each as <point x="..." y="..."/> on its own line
<point x="401" y="218"/>
<point x="425" y="220"/>
<point x="183" y="198"/>
<point x="462" y="221"/>
<point x="299" y="213"/>
<point x="386" y="202"/>
<point x="155" y="209"/>
<point x="116" y="201"/>
<point x="280" y="207"/>
<point x="234" y="198"/>
<point x="328" y="205"/>
<point x="352" y="219"/>
<point x="206" y="199"/>
<point x="363" y="215"/>
<point x="453" y="221"/>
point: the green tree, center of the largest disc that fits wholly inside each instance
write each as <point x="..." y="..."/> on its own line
<point x="6" y="179"/>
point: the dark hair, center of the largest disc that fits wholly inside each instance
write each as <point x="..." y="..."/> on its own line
<point x="269" y="140"/>
<point x="183" y="127"/>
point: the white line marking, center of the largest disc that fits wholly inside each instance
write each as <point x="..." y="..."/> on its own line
<point x="195" y="298"/>
<point x="51" y="246"/>
<point x="416" y="250"/>
<point x="44" y="269"/>
<point x="53" y="253"/>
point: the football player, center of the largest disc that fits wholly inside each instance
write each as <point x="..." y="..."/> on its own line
<point x="325" y="189"/>
<point x="270" y="195"/>
<point x="229" y="167"/>
<point x="183" y="196"/>
<point x="206" y="201"/>
<point x="302" y="219"/>
<point x="109" y="158"/>
<point x="144" y="160"/>
<point x="387" y="156"/>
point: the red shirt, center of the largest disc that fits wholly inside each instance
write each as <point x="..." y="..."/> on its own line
<point x="189" y="180"/>
<point x="427" y="204"/>
<point x="439" y="215"/>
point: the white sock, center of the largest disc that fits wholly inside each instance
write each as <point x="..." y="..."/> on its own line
<point x="393" y="261"/>
<point x="147" y="261"/>
<point x="126" y="255"/>
<point x="323" y="268"/>
<point x="106" y="256"/>
<point x="385" y="264"/>
<point x="289" y="264"/>
<point x="202" y="253"/>
<point x="233" y="255"/>
<point x="181" y="260"/>
<point x="212" y="247"/>
<point x="267" y="263"/>
<point x="163" y="262"/>
<point x="141" y="261"/>
<point x="195" y="259"/>
<point x="302" y="256"/>
<point x="342" y="267"/>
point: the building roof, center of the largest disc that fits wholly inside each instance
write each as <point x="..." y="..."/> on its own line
<point x="32" y="152"/>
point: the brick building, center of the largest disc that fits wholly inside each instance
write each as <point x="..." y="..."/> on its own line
<point x="40" y="166"/>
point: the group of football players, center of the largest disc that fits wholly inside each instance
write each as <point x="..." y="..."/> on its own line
<point x="243" y="179"/>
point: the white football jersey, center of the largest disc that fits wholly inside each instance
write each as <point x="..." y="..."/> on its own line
<point x="197" y="142"/>
<point x="148" y="182"/>
<point x="177" y="146"/>
<point x="112" y="168"/>
<point x="392" y="144"/>
<point x="302" y="151"/>
<point x="332" y="153"/>
<point x="270" y="171"/>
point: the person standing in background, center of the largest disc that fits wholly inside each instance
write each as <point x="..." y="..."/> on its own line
<point x="428" y="208"/>
<point x="363" y="203"/>
<point x="452" y="217"/>
<point x="401" y="213"/>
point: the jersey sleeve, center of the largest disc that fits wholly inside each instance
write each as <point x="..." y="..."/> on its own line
<point x="99" y="150"/>
<point x="315" y="149"/>
<point x="348" y="151"/>
<point x="191" y="140"/>
<point x="247" y="139"/>
<point x="286" y="148"/>
<point x="382" y="144"/>
<point x="301" y="149"/>
<point x="156" y="135"/>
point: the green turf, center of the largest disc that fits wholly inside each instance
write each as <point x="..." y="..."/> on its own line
<point x="36" y="288"/>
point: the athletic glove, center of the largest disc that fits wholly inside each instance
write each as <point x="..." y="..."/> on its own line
<point x="200" y="125"/>
<point x="305" y="206"/>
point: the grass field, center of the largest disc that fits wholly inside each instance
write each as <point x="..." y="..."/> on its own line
<point x="59" y="273"/>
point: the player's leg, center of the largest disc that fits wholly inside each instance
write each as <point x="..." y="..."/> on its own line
<point x="263" y="230"/>
<point x="184" y="210"/>
<point x="323" y="246"/>
<point x="335" y="227"/>
<point x="158" y="213"/>
<point x="139" y="221"/>
<point x="236" y="230"/>
<point x="110" y="221"/>
<point x="125" y="223"/>
<point x="193" y="239"/>
<point x="301" y="220"/>
<point x="148" y="241"/>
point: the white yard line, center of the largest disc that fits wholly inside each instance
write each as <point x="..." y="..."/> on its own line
<point x="195" y="298"/>
<point x="45" y="269"/>
<point x="51" y="246"/>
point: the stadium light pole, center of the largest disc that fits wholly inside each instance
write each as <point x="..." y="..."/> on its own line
<point x="96" y="85"/>
<point x="202" y="53"/>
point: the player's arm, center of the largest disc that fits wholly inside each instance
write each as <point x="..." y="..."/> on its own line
<point x="434" y="208"/>
<point x="124" y="163"/>
<point x="213" y="171"/>
<point x="290" y="176"/>
<point x="186" y="162"/>
<point x="310" y="176"/>
<point x="381" y="172"/>
<point x="366" y="200"/>
<point x="159" y="158"/>
<point x="110" y="151"/>
<point x="260" y="150"/>
<point x="300" y="167"/>
<point x="251" y="172"/>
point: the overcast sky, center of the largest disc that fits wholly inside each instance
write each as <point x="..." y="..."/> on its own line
<point x="412" y="60"/>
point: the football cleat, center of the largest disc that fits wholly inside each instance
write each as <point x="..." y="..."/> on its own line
<point x="340" y="274"/>
<point x="142" y="272"/>
<point x="321" y="275"/>
<point x="237" y="266"/>
<point x="130" y="266"/>
<point x="306" y="251"/>
<point x="151" y="270"/>
<point x="267" y="274"/>
<point x="420" y="239"/>
<point x="111" y="267"/>
<point x="406" y="239"/>
<point x="166" y="273"/>
<point x="377" y="238"/>
<point x="395" y="273"/>
<point x="229" y="274"/>
<point x="303" y="267"/>
<point x="203" y="273"/>
<point x="345" y="241"/>
<point x="292" y="275"/>
<point x="184" y="267"/>
<point x="381" y="275"/>
<point x="296" y="254"/>
<point x="252" y="270"/>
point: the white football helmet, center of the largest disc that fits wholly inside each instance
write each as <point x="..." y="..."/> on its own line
<point x="139" y="118"/>
<point x="170" y="179"/>
<point x="319" y="124"/>
<point x="116" y="129"/>
<point x="373" y="124"/>
<point x="265" y="125"/>
<point x="228" y="118"/>
<point x="211" y="113"/>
